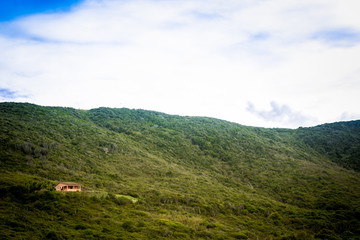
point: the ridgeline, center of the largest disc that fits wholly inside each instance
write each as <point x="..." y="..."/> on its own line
<point x="149" y="175"/>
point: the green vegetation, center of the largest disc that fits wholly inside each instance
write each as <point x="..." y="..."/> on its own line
<point x="149" y="175"/>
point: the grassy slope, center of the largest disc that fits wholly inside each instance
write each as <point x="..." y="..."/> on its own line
<point x="195" y="178"/>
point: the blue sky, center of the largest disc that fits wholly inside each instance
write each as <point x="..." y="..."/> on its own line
<point x="12" y="9"/>
<point x="269" y="63"/>
<point x="6" y="93"/>
<point x="344" y="37"/>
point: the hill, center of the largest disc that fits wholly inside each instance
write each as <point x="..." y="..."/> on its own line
<point x="150" y="175"/>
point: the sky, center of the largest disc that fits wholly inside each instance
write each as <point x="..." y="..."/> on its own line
<point x="267" y="63"/>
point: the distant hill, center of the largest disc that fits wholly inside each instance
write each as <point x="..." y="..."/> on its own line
<point x="339" y="141"/>
<point x="150" y="175"/>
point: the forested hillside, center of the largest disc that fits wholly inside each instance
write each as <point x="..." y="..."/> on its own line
<point x="149" y="175"/>
<point x="339" y="141"/>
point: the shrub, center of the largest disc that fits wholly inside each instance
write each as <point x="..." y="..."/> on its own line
<point x="121" y="201"/>
<point x="80" y="227"/>
<point x="327" y="234"/>
<point x="53" y="236"/>
<point x="241" y="235"/>
<point x="129" y="226"/>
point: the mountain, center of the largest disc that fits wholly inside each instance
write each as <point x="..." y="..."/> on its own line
<point x="149" y="175"/>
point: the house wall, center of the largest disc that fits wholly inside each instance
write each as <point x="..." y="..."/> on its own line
<point x="67" y="188"/>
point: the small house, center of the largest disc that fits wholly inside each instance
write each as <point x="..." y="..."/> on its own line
<point x="68" y="187"/>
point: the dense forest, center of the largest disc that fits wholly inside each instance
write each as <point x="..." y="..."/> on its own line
<point x="149" y="175"/>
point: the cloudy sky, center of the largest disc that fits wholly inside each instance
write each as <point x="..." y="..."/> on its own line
<point x="269" y="63"/>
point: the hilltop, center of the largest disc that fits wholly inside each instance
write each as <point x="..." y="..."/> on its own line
<point x="192" y="177"/>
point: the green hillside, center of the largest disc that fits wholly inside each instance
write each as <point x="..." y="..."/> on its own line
<point x="339" y="141"/>
<point x="149" y="175"/>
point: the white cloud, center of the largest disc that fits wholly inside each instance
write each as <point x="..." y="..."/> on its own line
<point x="190" y="57"/>
<point x="282" y="114"/>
